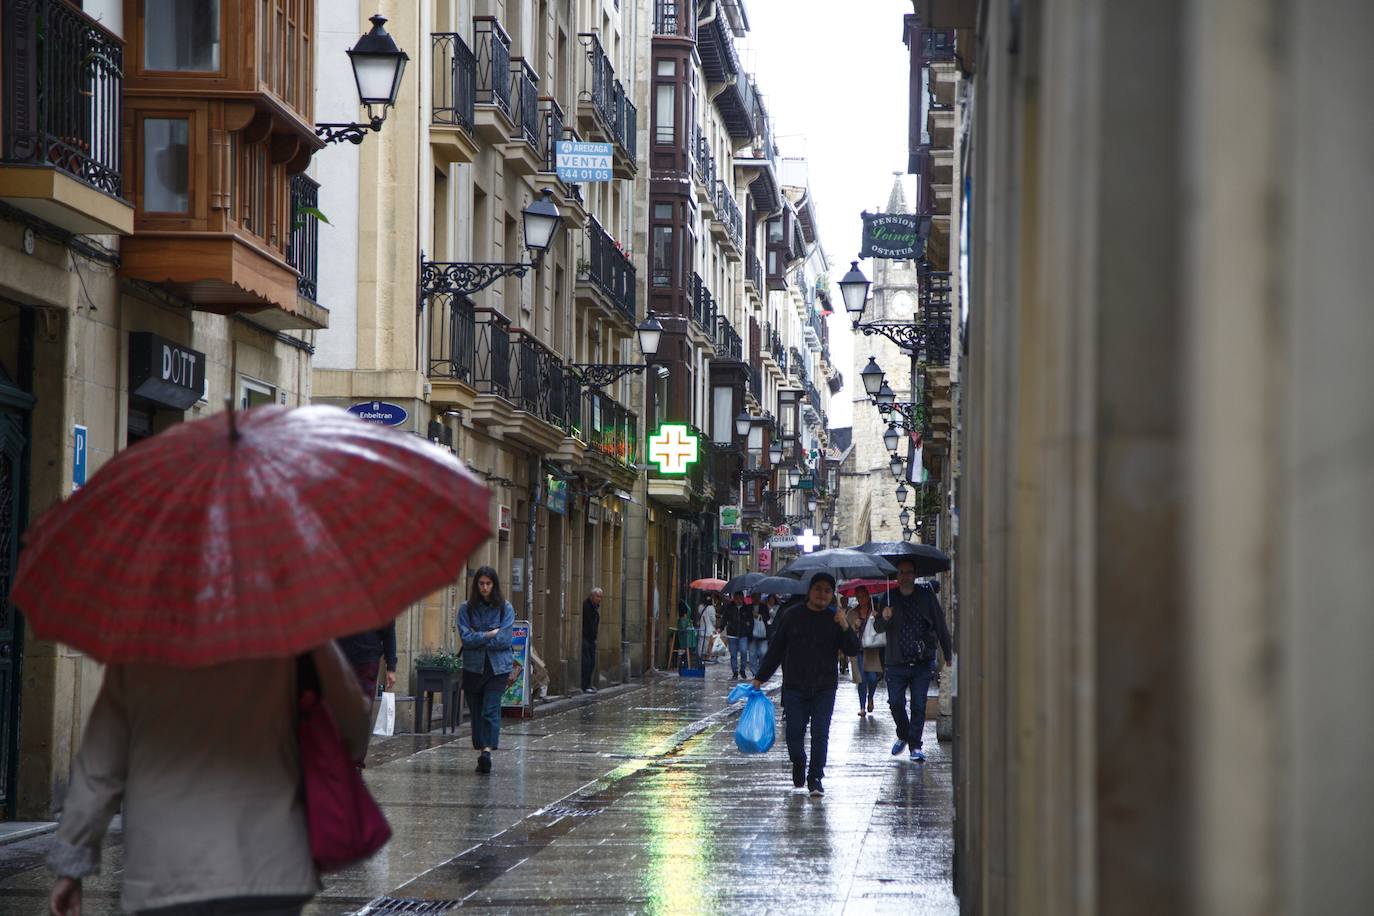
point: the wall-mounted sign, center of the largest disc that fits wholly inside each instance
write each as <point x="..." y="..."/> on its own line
<point x="729" y="516"/>
<point x="808" y="540"/>
<point x="577" y="161"/>
<point x="165" y="372"/>
<point x="741" y="544"/>
<point x="383" y="412"/>
<point x="517" y="574"/>
<point x="673" y="448"/>
<point x="503" y="518"/>
<point x="782" y="540"/>
<point x="765" y="560"/>
<point x="558" y="495"/>
<point x="892" y="235"/>
<point x="78" y="457"/>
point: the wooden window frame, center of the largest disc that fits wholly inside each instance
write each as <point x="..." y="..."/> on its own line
<point x="229" y="50"/>
<point x="195" y="217"/>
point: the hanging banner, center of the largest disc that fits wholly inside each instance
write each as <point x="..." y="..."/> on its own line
<point x="517" y="693"/>
<point x="895" y="236"/>
<point x="576" y="161"/>
<point x="729" y="517"/>
<point x="558" y="495"/>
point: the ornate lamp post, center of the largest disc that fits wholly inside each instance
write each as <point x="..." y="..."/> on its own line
<point x="378" y="65"/>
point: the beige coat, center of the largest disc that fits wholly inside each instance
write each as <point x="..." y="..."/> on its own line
<point x="873" y="658"/>
<point x="204" y="762"/>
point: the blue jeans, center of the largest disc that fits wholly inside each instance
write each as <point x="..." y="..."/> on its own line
<point x="915" y="678"/>
<point x="757" y="649"/>
<point x="868" y="681"/>
<point x="803" y="706"/>
<point x="484" y="707"/>
<point x="736" y="654"/>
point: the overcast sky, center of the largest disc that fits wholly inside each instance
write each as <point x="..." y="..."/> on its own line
<point x="836" y="88"/>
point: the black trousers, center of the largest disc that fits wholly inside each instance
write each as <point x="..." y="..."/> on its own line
<point x="588" y="662"/>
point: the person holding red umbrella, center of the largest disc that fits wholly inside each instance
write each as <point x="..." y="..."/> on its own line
<point x="210" y="568"/>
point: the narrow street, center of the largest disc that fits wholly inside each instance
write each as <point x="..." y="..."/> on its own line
<point x="637" y="802"/>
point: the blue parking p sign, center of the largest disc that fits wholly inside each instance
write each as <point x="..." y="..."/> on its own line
<point x="78" y="457"/>
<point x="577" y="161"/>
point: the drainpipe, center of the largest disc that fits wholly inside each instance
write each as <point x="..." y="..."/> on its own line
<point x="531" y="529"/>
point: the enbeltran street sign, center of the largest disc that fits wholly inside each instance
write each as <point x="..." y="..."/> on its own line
<point x="673" y="448"/>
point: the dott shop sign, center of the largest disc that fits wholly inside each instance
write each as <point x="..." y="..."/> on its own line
<point x="891" y="235"/>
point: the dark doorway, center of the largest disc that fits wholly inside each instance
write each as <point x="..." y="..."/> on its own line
<point x="14" y="408"/>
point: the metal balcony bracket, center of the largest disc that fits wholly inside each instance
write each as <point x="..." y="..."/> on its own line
<point x="603" y="375"/>
<point x="465" y="279"/>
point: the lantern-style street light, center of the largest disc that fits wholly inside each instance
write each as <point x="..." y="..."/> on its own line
<point x="378" y="65"/>
<point x="541" y="220"/>
<point x="901" y="494"/>
<point x="896" y="466"/>
<point x="872" y="377"/>
<point x="891" y="438"/>
<point x="742" y="423"/>
<point x="811" y="503"/>
<point x="854" y="290"/>
<point x="793" y="476"/>
<point x="775" y="453"/>
<point x="885" y="397"/>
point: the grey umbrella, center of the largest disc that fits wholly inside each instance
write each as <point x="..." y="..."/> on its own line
<point x="841" y="563"/>
<point x="780" y="585"/>
<point x="742" y="583"/>
<point x="928" y="560"/>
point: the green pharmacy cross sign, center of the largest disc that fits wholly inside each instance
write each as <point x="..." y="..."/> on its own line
<point x="673" y="448"/>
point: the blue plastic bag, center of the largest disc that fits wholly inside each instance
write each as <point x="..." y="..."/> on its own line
<point x="756" y="729"/>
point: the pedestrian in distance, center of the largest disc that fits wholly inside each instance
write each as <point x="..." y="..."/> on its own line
<point x="708" y="629"/>
<point x="804" y="645"/>
<point x="868" y="664"/>
<point x="591" y="626"/>
<point x="760" y="617"/>
<point x="736" y="613"/>
<point x="914" y="623"/>
<point x="214" y="819"/>
<point x="366" y="652"/>
<point x="486" y="626"/>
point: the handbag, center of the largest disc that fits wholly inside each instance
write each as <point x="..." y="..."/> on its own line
<point x="342" y="818"/>
<point x="872" y="639"/>
<point x="760" y="628"/>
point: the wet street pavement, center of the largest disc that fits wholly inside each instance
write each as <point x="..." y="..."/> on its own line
<point x="636" y="802"/>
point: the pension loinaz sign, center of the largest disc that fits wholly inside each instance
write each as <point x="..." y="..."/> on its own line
<point x="892" y="235"/>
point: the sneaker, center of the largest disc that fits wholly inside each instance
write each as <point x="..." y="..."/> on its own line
<point x="862" y="714"/>
<point x="917" y="755"/>
<point x="798" y="773"/>
<point x="591" y="690"/>
<point x="484" y="762"/>
<point x="816" y="788"/>
<point x="898" y="747"/>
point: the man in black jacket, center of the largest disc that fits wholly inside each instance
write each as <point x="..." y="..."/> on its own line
<point x="591" y="625"/>
<point x="914" y="623"/>
<point x="806" y="643"/>
<point x="366" y="651"/>
<point x="736" y="613"/>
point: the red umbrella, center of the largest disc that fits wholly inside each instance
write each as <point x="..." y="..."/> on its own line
<point x="874" y="586"/>
<point x="250" y="535"/>
<point x="709" y="585"/>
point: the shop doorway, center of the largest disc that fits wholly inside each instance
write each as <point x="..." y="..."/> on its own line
<point x="14" y="407"/>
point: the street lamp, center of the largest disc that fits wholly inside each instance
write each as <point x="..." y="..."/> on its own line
<point x="907" y="533"/>
<point x="891" y="438"/>
<point x="835" y="539"/>
<point x="775" y="453"/>
<point x="885" y="396"/>
<point x="872" y="377"/>
<point x="901" y="494"/>
<point x="541" y="221"/>
<point x="793" y="476"/>
<point x="854" y="290"/>
<point x="825" y="523"/>
<point x="811" y="504"/>
<point x="896" y="466"/>
<point x="742" y="423"/>
<point x="597" y="376"/>
<point x="650" y="332"/>
<point x="378" y="65"/>
<point x="905" y="518"/>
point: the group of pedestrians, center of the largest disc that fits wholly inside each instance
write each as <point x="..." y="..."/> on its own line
<point x="813" y="633"/>
<point x="748" y="628"/>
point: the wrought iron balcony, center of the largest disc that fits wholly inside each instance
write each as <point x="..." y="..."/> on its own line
<point x="603" y="423"/>
<point x="675" y="18"/>
<point x="754" y="272"/>
<point x="728" y="343"/>
<point x="703" y="304"/>
<point x="728" y="213"/>
<point x="452" y="336"/>
<point x="703" y="161"/>
<point x="493" y="63"/>
<point x="524" y="93"/>
<point x="551" y="131"/>
<point x="455" y="80"/>
<point x="303" y="247"/>
<point x="511" y="364"/>
<point x="937" y="45"/>
<point x="606" y="266"/>
<point x="63" y="78"/>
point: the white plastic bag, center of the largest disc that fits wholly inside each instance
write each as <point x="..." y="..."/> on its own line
<point x="872" y="639"/>
<point x="386" y="716"/>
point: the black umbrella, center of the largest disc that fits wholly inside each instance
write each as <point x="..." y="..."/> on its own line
<point x="742" y="583"/>
<point x="840" y="563"/>
<point x="780" y="585"/>
<point x="928" y="560"/>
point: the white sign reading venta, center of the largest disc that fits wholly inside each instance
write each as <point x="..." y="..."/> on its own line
<point x="577" y="161"/>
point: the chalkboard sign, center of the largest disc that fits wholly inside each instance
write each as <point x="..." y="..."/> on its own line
<point x="892" y="235"/>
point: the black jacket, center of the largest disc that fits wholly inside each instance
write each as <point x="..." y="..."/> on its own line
<point x="807" y="644"/>
<point x="739" y="618"/>
<point x="906" y="611"/>
<point x="591" y="620"/>
<point x="370" y="645"/>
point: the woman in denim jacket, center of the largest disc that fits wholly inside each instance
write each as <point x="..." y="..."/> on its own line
<point x="485" y="625"/>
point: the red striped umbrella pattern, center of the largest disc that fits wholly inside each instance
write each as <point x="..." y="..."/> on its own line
<point x="256" y="534"/>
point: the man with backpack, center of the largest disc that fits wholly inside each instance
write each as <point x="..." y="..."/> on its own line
<point x="914" y="623"/>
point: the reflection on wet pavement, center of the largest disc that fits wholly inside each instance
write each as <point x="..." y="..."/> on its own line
<point x="637" y="803"/>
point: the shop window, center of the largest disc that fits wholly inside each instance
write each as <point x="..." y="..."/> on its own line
<point x="253" y="393"/>
<point x="166" y="165"/>
<point x="181" y="35"/>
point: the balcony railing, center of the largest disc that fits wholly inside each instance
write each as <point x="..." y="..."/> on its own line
<point x="675" y="18"/>
<point x="493" y="63"/>
<point x="754" y="274"/>
<point x="703" y="161"/>
<point x="729" y="345"/>
<point x="937" y="45"/>
<point x="606" y="266"/>
<point x="703" y="304"/>
<point x="551" y="131"/>
<point x="607" y="94"/>
<point x="728" y="212"/>
<point x="607" y="426"/>
<point x="524" y="93"/>
<point x="452" y="335"/>
<point x="63" y="78"/>
<point x="303" y="246"/>
<point x="455" y="80"/>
